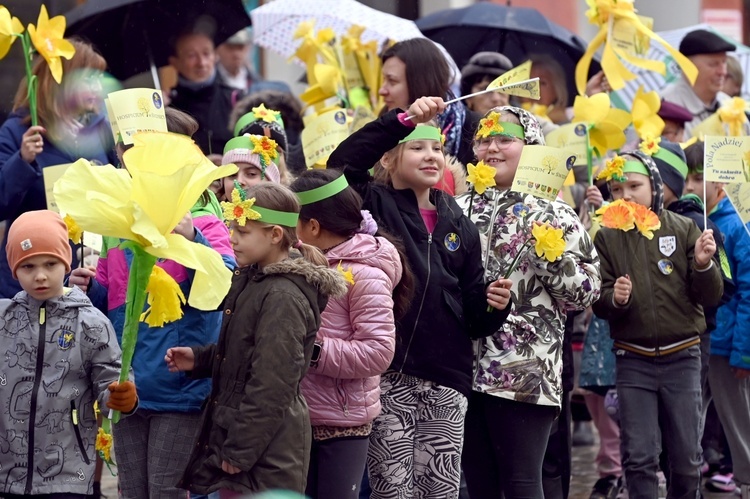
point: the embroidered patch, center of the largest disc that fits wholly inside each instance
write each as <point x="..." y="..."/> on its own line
<point x="666" y="267"/>
<point x="65" y="340"/>
<point x="452" y="241"/>
<point x="667" y="245"/>
<point x="26" y="244"/>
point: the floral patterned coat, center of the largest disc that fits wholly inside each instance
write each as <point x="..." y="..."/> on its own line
<point x="522" y="361"/>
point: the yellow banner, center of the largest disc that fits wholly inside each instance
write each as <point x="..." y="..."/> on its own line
<point x="322" y="134"/>
<point x="138" y="110"/>
<point x="726" y="159"/>
<point x="542" y="170"/>
<point x="572" y="138"/>
<point x="627" y="38"/>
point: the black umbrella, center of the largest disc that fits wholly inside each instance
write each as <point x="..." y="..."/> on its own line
<point x="516" y="32"/>
<point x="136" y="35"/>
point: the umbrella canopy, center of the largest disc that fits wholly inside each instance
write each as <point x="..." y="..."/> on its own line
<point x="516" y="32"/>
<point x="126" y="32"/>
<point x="274" y="23"/>
<point x="654" y="81"/>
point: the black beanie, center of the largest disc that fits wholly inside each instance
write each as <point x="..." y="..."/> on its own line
<point x="672" y="176"/>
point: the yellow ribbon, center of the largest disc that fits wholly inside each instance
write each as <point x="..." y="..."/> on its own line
<point x="605" y="13"/>
<point x="732" y="114"/>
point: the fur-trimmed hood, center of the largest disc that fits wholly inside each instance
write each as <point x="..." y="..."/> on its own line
<point x="329" y="282"/>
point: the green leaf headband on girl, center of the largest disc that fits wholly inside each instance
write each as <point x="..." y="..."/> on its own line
<point x="323" y="192"/>
<point x="424" y="132"/>
<point x="492" y="125"/>
<point x="241" y="209"/>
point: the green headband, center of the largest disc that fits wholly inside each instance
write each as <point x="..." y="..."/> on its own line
<point x="509" y="130"/>
<point x="424" y="132"/>
<point x="250" y="117"/>
<point x="632" y="166"/>
<point x="323" y="192"/>
<point x="274" y="217"/>
<point x="672" y="160"/>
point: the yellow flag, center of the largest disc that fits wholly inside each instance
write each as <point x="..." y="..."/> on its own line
<point x="519" y="73"/>
<point x="527" y="88"/>
<point x="739" y="196"/>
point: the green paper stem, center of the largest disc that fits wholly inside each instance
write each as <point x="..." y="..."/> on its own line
<point x="589" y="156"/>
<point x="31" y="80"/>
<point x="140" y="271"/>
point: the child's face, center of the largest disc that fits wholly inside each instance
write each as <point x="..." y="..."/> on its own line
<point x="420" y="167"/>
<point x="42" y="276"/>
<point x="502" y="153"/>
<point x="636" y="189"/>
<point x="694" y="185"/>
<point x="252" y="243"/>
<point x="248" y="176"/>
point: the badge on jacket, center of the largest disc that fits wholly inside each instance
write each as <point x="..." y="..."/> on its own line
<point x="452" y="241"/>
<point x="667" y="245"/>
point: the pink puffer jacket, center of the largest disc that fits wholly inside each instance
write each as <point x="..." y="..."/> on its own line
<point x="358" y="336"/>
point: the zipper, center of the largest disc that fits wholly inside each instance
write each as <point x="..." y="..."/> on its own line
<point x="74" y="420"/>
<point x="421" y="303"/>
<point x="34" y="394"/>
<point x="342" y="397"/>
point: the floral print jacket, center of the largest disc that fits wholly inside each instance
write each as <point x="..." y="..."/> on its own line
<point x="522" y="361"/>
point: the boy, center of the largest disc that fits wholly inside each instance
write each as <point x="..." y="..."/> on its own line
<point x="653" y="291"/>
<point x="62" y="355"/>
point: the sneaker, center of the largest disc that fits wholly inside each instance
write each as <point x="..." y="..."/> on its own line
<point x="607" y="487"/>
<point x="721" y="483"/>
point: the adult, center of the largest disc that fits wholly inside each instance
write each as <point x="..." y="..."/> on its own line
<point x="234" y="66"/>
<point x="482" y="68"/>
<point x="708" y="51"/>
<point x="735" y="78"/>
<point x="675" y="117"/>
<point x="70" y="127"/>
<point x="200" y="92"/>
<point x="553" y="91"/>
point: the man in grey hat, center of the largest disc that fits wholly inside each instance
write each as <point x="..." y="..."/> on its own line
<point x="708" y="51"/>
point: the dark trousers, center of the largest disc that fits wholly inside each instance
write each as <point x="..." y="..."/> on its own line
<point x="336" y="468"/>
<point x="558" y="456"/>
<point x="504" y="447"/>
<point x="61" y="495"/>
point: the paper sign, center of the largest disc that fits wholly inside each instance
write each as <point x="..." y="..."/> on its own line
<point x="739" y="195"/>
<point x="572" y="138"/>
<point x="138" y="110"/>
<point x="527" y="89"/>
<point x="522" y="72"/>
<point x="726" y="159"/>
<point x="112" y="122"/>
<point x="541" y="171"/>
<point x="322" y="134"/>
<point x="626" y="38"/>
<point x="361" y="117"/>
<point x="710" y="126"/>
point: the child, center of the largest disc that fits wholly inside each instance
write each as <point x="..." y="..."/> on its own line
<point x="415" y="447"/>
<point x="653" y="291"/>
<point x="517" y="390"/>
<point x="253" y="168"/>
<point x="356" y="340"/>
<point x="61" y="356"/>
<point x="255" y="433"/>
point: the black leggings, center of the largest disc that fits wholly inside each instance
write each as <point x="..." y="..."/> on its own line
<point x="504" y="447"/>
<point x="336" y="468"/>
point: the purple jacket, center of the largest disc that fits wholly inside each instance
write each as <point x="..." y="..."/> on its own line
<point x="358" y="335"/>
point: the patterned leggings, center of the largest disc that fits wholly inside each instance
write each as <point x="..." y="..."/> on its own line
<point x="416" y="442"/>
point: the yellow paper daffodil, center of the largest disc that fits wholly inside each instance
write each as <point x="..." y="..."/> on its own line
<point x="75" y="232"/>
<point x="490" y="125"/>
<point x="104" y="445"/>
<point x="347" y="274"/>
<point x="650" y="145"/>
<point x="165" y="299"/>
<point x="606" y="124"/>
<point x="239" y="210"/>
<point x="10" y="28"/>
<point x="264" y="114"/>
<point x="266" y="148"/>
<point x="613" y="170"/>
<point x="166" y="174"/>
<point x="549" y="242"/>
<point x="604" y="14"/>
<point x="47" y="37"/>
<point x="616" y="215"/>
<point x="645" y="107"/>
<point x="732" y="114"/>
<point x="481" y="176"/>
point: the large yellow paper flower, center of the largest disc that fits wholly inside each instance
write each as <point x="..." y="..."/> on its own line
<point x="47" y="37"/>
<point x="10" y="27"/>
<point x="732" y="114"/>
<point x="164" y="297"/>
<point x="606" y="124"/>
<point x="166" y="175"/>
<point x="481" y="176"/>
<point x="549" y="242"/>
<point x="646" y="121"/>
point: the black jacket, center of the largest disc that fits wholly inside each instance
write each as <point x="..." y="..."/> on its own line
<point x="433" y="339"/>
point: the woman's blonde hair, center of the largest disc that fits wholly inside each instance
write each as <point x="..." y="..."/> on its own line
<point x="557" y="77"/>
<point x="278" y="197"/>
<point x="382" y="174"/>
<point x="51" y="103"/>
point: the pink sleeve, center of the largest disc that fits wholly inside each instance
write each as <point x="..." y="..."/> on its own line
<point x="216" y="232"/>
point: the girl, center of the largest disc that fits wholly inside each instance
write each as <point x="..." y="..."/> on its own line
<point x="517" y="387"/>
<point x="255" y="432"/>
<point x="356" y="339"/>
<point x="417" y="439"/>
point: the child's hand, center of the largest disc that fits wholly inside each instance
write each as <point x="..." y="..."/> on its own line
<point x="598" y="83"/>
<point x="81" y="277"/>
<point x="498" y="293"/>
<point x="228" y="468"/>
<point x="180" y="359"/>
<point x="705" y="247"/>
<point x="594" y="196"/>
<point x="122" y="396"/>
<point x="32" y="143"/>
<point x="185" y="227"/>
<point x="623" y="287"/>
<point x="426" y="108"/>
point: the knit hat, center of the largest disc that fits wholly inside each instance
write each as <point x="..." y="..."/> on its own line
<point x="35" y="233"/>
<point x="482" y="65"/>
<point x="670" y="160"/>
<point x="250" y="149"/>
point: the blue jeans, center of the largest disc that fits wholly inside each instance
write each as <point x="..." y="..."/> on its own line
<point x="660" y="396"/>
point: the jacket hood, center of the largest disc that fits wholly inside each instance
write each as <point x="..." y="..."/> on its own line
<point x="657" y="185"/>
<point x="687" y="204"/>
<point x="328" y="282"/>
<point x="368" y="250"/>
<point x="71" y="298"/>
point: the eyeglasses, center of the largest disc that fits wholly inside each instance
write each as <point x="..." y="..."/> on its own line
<point x="500" y="141"/>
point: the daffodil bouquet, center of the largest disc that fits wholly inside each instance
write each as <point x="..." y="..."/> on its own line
<point x="166" y="174"/>
<point x="46" y="38"/>
<point x="625" y="215"/>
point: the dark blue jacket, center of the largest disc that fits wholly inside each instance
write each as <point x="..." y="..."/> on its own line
<point x="22" y="184"/>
